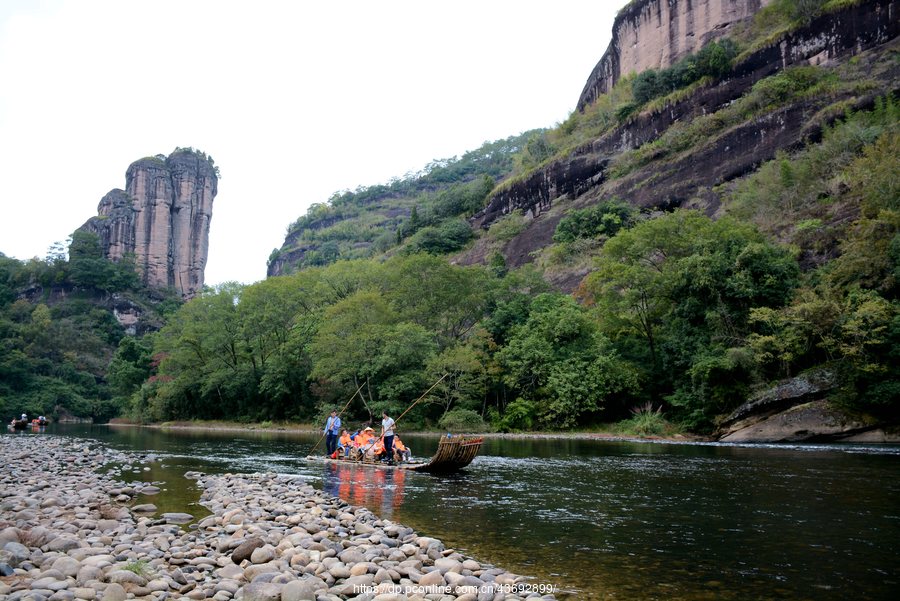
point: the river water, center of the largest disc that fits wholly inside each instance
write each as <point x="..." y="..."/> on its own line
<point x="600" y="519"/>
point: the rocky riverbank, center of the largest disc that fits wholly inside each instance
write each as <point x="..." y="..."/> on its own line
<point x="69" y="529"/>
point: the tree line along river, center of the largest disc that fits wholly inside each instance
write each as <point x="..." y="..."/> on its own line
<point x="601" y="519"/>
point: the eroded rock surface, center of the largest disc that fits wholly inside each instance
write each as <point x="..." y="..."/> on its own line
<point x="162" y="218"/>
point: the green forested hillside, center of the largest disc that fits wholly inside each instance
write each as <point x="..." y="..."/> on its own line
<point x="423" y="211"/>
<point x="63" y="353"/>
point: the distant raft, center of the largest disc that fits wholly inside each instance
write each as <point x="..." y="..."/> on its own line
<point x="453" y="454"/>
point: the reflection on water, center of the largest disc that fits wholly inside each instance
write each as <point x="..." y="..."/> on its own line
<point x="608" y="520"/>
<point x="382" y="490"/>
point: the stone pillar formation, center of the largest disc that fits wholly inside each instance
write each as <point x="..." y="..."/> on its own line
<point x="163" y="218"/>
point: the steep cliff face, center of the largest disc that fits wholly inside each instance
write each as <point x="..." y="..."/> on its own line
<point x="868" y="30"/>
<point x="163" y="218"/>
<point x="654" y="34"/>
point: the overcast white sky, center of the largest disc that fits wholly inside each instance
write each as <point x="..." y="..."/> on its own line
<point x="293" y="100"/>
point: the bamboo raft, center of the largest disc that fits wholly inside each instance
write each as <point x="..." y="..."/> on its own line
<point x="452" y="455"/>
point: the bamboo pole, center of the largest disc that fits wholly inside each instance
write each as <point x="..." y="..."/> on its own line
<point x="416" y="402"/>
<point x="339" y="414"/>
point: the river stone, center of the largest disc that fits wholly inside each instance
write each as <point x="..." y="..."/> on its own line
<point x="245" y="549"/>
<point x="300" y="590"/>
<point x="254" y="570"/>
<point x="230" y="572"/>
<point x="114" y="592"/>
<point x="263" y="554"/>
<point x="362" y="528"/>
<point x="261" y="591"/>
<point x="396" y="555"/>
<point x="351" y="556"/>
<point x="88" y="594"/>
<point x="445" y="564"/>
<point x="67" y="565"/>
<point x="470" y="564"/>
<point x="178" y="576"/>
<point x="158" y="584"/>
<point x="354" y="585"/>
<point x="6" y="569"/>
<point x="177" y="518"/>
<point x="126" y="577"/>
<point x="149" y="490"/>
<point x="88" y="573"/>
<point x="463" y="581"/>
<point x="18" y="553"/>
<point x="424" y="542"/>
<point x="506" y="579"/>
<point x="144" y="508"/>
<point x="49" y="583"/>
<point x="433" y="578"/>
<point x="339" y="571"/>
<point x="9" y="535"/>
<point x="63" y="544"/>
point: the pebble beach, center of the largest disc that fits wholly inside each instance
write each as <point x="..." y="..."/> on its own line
<point x="72" y="529"/>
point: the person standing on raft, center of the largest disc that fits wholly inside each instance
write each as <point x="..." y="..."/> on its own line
<point x="332" y="430"/>
<point x="387" y="432"/>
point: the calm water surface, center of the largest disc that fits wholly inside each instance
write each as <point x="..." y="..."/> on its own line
<point x="605" y="520"/>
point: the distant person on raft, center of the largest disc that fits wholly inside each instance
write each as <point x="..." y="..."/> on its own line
<point x="332" y="430"/>
<point x="387" y="432"/>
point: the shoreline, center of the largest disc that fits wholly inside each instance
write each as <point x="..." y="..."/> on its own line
<point x="73" y="531"/>
<point x="306" y="429"/>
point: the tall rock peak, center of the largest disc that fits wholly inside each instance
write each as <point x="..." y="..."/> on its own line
<point x="655" y="34"/>
<point x="162" y="218"/>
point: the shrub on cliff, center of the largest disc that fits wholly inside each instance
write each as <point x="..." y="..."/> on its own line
<point x="605" y="218"/>
<point x="713" y="60"/>
<point x="448" y="237"/>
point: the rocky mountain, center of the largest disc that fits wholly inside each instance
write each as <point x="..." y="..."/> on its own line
<point x="657" y="33"/>
<point x="162" y="217"/>
<point x="684" y="150"/>
<point x="773" y="117"/>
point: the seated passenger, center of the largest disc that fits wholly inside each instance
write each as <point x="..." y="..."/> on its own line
<point x="364" y="437"/>
<point x="401" y="451"/>
<point x="345" y="443"/>
<point x="377" y="450"/>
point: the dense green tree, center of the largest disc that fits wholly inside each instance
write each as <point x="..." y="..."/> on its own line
<point x="130" y="367"/>
<point x="362" y="342"/>
<point x="685" y="285"/>
<point x="560" y="362"/>
<point x="443" y="298"/>
<point x="465" y="371"/>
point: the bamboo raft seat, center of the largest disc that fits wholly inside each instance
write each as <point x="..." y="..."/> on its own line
<point x="453" y="454"/>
